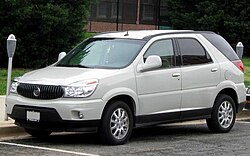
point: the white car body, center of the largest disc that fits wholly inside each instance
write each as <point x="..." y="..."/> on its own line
<point x="156" y="96"/>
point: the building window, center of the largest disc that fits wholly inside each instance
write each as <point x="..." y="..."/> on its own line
<point x="114" y="11"/>
<point x="148" y="1"/>
<point x="101" y="11"/>
<point x="148" y="10"/>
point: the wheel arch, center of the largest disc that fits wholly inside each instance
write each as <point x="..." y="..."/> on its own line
<point x="232" y="93"/>
<point x="125" y="98"/>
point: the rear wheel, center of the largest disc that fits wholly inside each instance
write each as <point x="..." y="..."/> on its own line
<point x="223" y="114"/>
<point x="38" y="133"/>
<point x="117" y="123"/>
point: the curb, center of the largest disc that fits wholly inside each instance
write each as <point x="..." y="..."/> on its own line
<point x="11" y="130"/>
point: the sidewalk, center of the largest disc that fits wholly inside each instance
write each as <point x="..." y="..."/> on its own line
<point x="9" y="129"/>
<point x="2" y="103"/>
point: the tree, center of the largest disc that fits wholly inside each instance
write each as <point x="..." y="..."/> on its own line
<point x="42" y="28"/>
<point x="229" y="18"/>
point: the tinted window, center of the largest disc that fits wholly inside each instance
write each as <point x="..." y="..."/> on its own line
<point x="192" y="52"/>
<point x="222" y="45"/>
<point x="164" y="49"/>
<point x="209" y="59"/>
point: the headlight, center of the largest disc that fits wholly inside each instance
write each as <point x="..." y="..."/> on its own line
<point x="248" y="90"/>
<point x="14" y="85"/>
<point x="81" y="89"/>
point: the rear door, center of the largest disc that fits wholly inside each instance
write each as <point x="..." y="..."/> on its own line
<point x="200" y="76"/>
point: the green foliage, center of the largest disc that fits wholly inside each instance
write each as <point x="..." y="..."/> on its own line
<point x="3" y="77"/>
<point x="246" y="62"/>
<point x="229" y="18"/>
<point x="43" y="29"/>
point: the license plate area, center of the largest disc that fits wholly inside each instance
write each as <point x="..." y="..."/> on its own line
<point x="32" y="116"/>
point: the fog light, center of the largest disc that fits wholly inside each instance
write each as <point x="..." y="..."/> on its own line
<point x="80" y="115"/>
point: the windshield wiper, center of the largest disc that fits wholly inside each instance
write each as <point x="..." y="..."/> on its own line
<point x="73" y="65"/>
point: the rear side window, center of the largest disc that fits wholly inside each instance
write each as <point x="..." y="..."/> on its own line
<point x="222" y="45"/>
<point x="192" y="52"/>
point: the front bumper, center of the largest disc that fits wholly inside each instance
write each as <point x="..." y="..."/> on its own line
<point x="50" y="120"/>
<point x="56" y="115"/>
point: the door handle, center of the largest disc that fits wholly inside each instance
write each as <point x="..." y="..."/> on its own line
<point x="214" y="70"/>
<point x="176" y="75"/>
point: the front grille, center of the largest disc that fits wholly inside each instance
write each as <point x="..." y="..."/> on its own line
<point x="35" y="91"/>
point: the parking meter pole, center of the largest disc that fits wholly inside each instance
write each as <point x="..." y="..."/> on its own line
<point x="9" y="76"/>
<point x="8" y="84"/>
<point x="11" y="47"/>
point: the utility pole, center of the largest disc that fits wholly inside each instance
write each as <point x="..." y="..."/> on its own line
<point x="138" y="12"/>
<point x="159" y="13"/>
<point x="117" y="14"/>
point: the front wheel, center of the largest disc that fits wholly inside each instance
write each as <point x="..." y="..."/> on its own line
<point x="223" y="114"/>
<point x="117" y="123"/>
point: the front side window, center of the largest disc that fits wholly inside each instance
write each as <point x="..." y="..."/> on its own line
<point x="192" y="52"/>
<point x="164" y="49"/>
<point x="103" y="53"/>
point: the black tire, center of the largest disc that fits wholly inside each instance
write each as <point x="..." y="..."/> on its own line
<point x="38" y="133"/>
<point x="223" y="114"/>
<point x="122" y="123"/>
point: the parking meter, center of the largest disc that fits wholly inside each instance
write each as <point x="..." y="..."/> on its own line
<point x="11" y="47"/>
<point x="239" y="49"/>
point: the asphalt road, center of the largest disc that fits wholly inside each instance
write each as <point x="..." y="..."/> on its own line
<point x="194" y="139"/>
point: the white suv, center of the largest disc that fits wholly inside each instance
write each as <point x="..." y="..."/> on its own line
<point x="117" y="81"/>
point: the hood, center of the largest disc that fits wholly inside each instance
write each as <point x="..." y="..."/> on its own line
<point x="64" y="75"/>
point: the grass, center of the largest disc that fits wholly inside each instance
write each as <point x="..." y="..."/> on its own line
<point x="3" y="77"/>
<point x="20" y="72"/>
<point x="88" y="34"/>
<point x="246" y="62"/>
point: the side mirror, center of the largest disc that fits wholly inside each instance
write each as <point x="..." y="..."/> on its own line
<point x="152" y="62"/>
<point x="61" y="55"/>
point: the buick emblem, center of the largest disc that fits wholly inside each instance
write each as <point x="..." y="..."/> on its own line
<point x="36" y="92"/>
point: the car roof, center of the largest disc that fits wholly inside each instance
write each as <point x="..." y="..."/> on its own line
<point x="142" y="34"/>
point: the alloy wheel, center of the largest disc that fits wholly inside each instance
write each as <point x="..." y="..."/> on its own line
<point x="119" y="123"/>
<point x="225" y="114"/>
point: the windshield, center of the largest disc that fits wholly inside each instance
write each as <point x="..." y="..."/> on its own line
<point x="103" y="53"/>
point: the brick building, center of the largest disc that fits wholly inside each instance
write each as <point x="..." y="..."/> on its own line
<point x="112" y="15"/>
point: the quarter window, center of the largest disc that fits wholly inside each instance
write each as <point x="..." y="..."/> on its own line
<point x="222" y="45"/>
<point x="192" y="52"/>
<point x="164" y="49"/>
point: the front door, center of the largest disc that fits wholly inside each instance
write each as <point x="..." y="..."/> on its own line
<point x="159" y="90"/>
